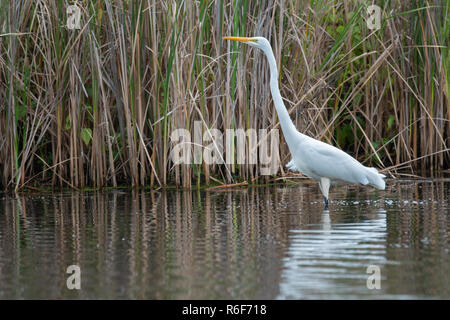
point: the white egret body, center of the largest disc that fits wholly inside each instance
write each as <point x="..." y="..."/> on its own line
<point x="313" y="158"/>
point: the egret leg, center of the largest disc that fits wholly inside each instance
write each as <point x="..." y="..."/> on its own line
<point x="325" y="187"/>
<point x="325" y="200"/>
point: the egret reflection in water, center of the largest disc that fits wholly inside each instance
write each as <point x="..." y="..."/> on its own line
<point x="325" y="256"/>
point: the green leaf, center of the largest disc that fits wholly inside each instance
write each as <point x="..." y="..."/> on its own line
<point x="67" y="122"/>
<point x="86" y="135"/>
<point x="344" y="135"/>
<point x="391" y="121"/>
<point x="21" y="111"/>
<point x="342" y="36"/>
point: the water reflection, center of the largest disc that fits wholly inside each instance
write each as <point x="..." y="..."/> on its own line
<point x="330" y="260"/>
<point x="255" y="243"/>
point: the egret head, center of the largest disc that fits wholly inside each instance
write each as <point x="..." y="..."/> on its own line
<point x="259" y="42"/>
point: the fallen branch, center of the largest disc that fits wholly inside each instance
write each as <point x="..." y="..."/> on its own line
<point x="240" y="184"/>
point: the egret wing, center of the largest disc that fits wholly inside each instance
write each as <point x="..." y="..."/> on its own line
<point x="328" y="161"/>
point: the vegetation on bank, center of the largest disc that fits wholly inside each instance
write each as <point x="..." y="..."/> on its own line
<point x="96" y="106"/>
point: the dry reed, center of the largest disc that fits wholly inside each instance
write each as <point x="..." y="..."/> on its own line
<point x="96" y="106"/>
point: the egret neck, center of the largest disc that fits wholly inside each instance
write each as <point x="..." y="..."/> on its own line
<point x="287" y="126"/>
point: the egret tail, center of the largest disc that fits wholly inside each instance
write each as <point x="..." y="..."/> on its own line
<point x="375" y="178"/>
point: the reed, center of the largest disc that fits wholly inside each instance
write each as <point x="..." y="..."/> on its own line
<point x="96" y="106"/>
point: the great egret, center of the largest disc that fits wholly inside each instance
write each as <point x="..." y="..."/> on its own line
<point x="313" y="158"/>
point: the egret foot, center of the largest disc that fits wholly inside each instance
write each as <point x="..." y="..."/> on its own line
<point x="326" y="202"/>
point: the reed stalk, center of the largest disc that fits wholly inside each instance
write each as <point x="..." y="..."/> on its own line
<point x="96" y="106"/>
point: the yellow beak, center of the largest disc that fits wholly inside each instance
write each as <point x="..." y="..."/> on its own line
<point x="241" y="39"/>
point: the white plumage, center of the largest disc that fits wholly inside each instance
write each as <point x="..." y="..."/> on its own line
<point x="317" y="159"/>
<point x="313" y="158"/>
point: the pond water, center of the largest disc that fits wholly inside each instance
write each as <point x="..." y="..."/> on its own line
<point x="252" y="243"/>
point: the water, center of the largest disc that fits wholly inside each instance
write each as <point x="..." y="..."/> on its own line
<point x="254" y="243"/>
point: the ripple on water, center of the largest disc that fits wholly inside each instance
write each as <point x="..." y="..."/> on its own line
<point x="332" y="259"/>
